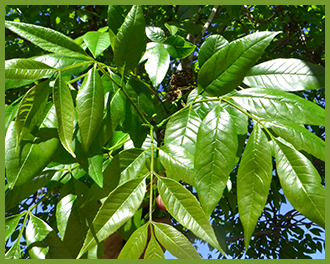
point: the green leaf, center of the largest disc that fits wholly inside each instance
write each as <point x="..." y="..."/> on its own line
<point x="182" y="129"/>
<point x="18" y="194"/>
<point x="94" y="162"/>
<point x="70" y="218"/>
<point x="300" y="138"/>
<point x="90" y="105"/>
<point x="130" y="41"/>
<point x="126" y="165"/>
<point x="184" y="207"/>
<point x="33" y="154"/>
<point x="210" y="46"/>
<point x="178" y="47"/>
<point x="136" y="244"/>
<point x="65" y="113"/>
<point x="11" y="224"/>
<point x="253" y="181"/>
<point x="43" y="242"/>
<point x="15" y="251"/>
<point x="153" y="251"/>
<point x="115" y="109"/>
<point x="19" y="72"/>
<point x="115" y="20"/>
<point x="67" y="65"/>
<point x="286" y="75"/>
<point x="120" y="205"/>
<point x="175" y="242"/>
<point x="187" y="11"/>
<point x="215" y="156"/>
<point x="280" y="106"/>
<point x="31" y="109"/>
<point x="226" y="69"/>
<point x="157" y="64"/>
<point x="155" y="34"/>
<point x="172" y="29"/>
<point x="47" y="39"/>
<point x="300" y="181"/>
<point x="177" y="162"/>
<point x="97" y="42"/>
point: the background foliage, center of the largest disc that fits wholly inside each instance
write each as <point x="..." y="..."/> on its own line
<point x="280" y="232"/>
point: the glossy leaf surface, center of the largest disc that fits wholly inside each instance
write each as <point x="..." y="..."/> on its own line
<point x="175" y="242"/>
<point x="157" y="64"/>
<point x="19" y="72"/>
<point x="90" y="105"/>
<point x="97" y="42"/>
<point x="210" y="46"/>
<point x="184" y="207"/>
<point x="154" y="251"/>
<point x="215" y="156"/>
<point x="286" y="75"/>
<point x="43" y="242"/>
<point x="182" y="129"/>
<point x="136" y="244"/>
<point x="179" y="163"/>
<point x="130" y="41"/>
<point x="178" y="47"/>
<point x="65" y="113"/>
<point x="300" y="138"/>
<point x="253" y="181"/>
<point x="47" y="39"/>
<point x="280" y="106"/>
<point x="120" y="205"/>
<point x="301" y="182"/>
<point x="14" y="252"/>
<point x="230" y="64"/>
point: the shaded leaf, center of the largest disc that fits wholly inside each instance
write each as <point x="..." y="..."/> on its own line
<point x="301" y="182"/>
<point x="136" y="244"/>
<point x="210" y="46"/>
<point x="215" y="156"/>
<point x="184" y="207"/>
<point x="47" y="39"/>
<point x="115" y="20"/>
<point x="286" y="75"/>
<point x="175" y="242"/>
<point x="31" y="109"/>
<point x="11" y="224"/>
<point x="253" y="181"/>
<point x="71" y="220"/>
<point x="280" y="106"/>
<point x="90" y="105"/>
<point x="42" y="241"/>
<point x="130" y="41"/>
<point x="230" y="64"/>
<point x="65" y="113"/>
<point x="19" y="193"/>
<point x="120" y="205"/>
<point x="33" y="154"/>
